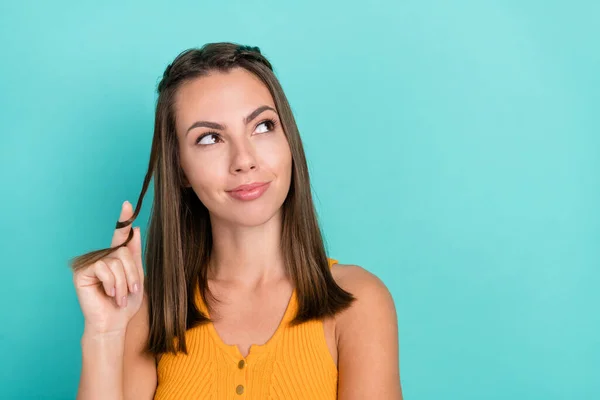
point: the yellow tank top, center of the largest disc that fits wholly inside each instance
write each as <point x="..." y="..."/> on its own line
<point x="295" y="363"/>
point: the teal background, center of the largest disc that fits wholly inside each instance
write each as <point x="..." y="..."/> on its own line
<point x="454" y="150"/>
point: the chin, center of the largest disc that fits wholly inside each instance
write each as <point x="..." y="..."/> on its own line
<point x="254" y="220"/>
<point x="251" y="216"/>
<point x="248" y="214"/>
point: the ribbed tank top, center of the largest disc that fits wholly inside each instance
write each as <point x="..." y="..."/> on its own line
<point x="295" y="363"/>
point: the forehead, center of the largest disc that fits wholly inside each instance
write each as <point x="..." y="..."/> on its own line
<point x="220" y="97"/>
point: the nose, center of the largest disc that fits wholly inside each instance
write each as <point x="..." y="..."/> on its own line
<point x="243" y="157"/>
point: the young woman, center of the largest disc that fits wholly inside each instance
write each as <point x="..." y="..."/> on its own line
<point x="239" y="299"/>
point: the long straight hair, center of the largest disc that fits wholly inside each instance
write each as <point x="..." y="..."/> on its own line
<point x="179" y="237"/>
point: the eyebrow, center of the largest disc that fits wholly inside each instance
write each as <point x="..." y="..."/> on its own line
<point x="214" y="125"/>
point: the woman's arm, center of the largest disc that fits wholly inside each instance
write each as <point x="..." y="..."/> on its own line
<point x="102" y="366"/>
<point x="367" y="338"/>
<point x="114" y="366"/>
<point x="139" y="368"/>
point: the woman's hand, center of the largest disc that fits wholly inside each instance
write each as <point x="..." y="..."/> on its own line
<point x="110" y="291"/>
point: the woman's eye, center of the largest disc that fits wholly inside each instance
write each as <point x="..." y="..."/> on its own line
<point x="206" y="139"/>
<point x="212" y="137"/>
<point x="269" y="123"/>
<point x="262" y="124"/>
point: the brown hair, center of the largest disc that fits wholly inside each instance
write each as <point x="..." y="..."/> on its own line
<point x="179" y="238"/>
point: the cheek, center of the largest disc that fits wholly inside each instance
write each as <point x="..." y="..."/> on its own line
<point x="203" y="172"/>
<point x="275" y="155"/>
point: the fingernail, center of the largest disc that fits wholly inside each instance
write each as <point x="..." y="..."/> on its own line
<point x="135" y="288"/>
<point x="112" y="292"/>
<point x="124" y="301"/>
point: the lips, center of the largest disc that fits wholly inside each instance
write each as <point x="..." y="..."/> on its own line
<point x="250" y="191"/>
<point x="248" y="187"/>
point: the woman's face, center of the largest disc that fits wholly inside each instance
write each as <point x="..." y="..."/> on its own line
<point x="220" y="150"/>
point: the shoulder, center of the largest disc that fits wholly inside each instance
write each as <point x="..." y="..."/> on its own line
<point x="367" y="337"/>
<point x="368" y="289"/>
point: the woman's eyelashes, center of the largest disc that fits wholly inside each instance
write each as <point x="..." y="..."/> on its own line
<point x="271" y="123"/>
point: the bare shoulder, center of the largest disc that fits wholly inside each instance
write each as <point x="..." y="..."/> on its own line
<point x="374" y="302"/>
<point x="367" y="337"/>
<point x="368" y="289"/>
<point x="352" y="274"/>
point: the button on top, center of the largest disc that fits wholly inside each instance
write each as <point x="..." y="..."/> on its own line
<point x="241" y="364"/>
<point x="239" y="389"/>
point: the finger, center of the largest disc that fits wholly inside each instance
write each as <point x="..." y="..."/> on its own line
<point x="93" y="274"/>
<point x="131" y="270"/>
<point x="104" y="274"/>
<point x="135" y="246"/>
<point x="116" y="267"/>
<point x="120" y="235"/>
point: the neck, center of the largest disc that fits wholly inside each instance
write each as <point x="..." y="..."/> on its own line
<point x="248" y="256"/>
